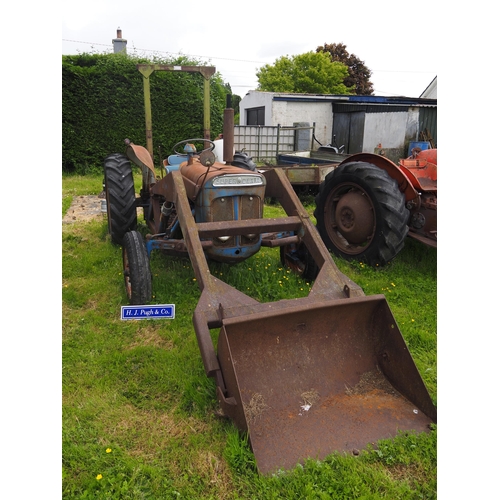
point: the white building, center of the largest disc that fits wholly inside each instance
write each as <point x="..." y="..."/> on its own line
<point x="361" y="123"/>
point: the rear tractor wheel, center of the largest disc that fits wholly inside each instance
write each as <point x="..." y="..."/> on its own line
<point x="120" y="196"/>
<point x="361" y="214"/>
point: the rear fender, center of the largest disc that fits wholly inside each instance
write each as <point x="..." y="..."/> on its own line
<point x="405" y="183"/>
<point x="140" y="156"/>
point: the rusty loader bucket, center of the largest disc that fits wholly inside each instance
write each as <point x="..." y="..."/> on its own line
<point x="320" y="377"/>
<point x="309" y="376"/>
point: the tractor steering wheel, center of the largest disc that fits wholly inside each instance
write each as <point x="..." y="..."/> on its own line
<point x="187" y="141"/>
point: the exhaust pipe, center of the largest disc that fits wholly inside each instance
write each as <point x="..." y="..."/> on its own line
<point x="228" y="131"/>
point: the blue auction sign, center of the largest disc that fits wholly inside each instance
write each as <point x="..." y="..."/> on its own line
<point x="160" y="311"/>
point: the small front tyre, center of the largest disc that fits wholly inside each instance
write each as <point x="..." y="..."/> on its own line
<point x="297" y="258"/>
<point x="136" y="270"/>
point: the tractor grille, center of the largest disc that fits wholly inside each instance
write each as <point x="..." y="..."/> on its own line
<point x="222" y="209"/>
<point x="236" y="208"/>
<point x="250" y="208"/>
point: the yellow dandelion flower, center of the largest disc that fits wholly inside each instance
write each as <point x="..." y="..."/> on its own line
<point x="412" y="320"/>
<point x="99" y="477"/>
<point x="108" y="450"/>
<point x="393" y="284"/>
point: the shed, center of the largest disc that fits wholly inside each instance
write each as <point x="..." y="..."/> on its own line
<point x="361" y="123"/>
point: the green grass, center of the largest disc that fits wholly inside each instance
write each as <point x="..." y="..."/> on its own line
<point x="140" y="419"/>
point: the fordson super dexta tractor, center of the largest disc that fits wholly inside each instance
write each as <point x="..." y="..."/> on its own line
<point x="304" y="377"/>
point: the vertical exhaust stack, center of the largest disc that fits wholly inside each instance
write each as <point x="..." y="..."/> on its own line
<point x="228" y="131"/>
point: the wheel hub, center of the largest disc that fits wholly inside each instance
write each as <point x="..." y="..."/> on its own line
<point x="354" y="216"/>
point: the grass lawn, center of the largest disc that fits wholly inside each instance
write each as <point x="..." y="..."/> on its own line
<point x="140" y="418"/>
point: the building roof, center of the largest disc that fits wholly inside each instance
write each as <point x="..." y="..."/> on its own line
<point x="351" y="99"/>
<point x="431" y="90"/>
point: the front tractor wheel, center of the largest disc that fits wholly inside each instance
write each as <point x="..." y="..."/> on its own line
<point x="120" y="196"/>
<point x="361" y="213"/>
<point x="136" y="270"/>
<point x="297" y="258"/>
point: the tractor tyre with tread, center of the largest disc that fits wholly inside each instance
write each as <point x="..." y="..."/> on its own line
<point x="361" y="213"/>
<point x="120" y="196"/>
<point x="136" y="270"/>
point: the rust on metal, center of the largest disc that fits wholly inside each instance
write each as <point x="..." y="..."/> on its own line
<point x="228" y="153"/>
<point x="304" y="377"/>
<point x="348" y="358"/>
<point x="309" y="376"/>
<point x="140" y="156"/>
<point x="404" y="183"/>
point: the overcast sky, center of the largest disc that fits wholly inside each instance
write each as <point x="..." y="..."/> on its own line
<point x="386" y="35"/>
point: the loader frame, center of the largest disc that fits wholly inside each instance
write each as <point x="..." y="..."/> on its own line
<point x="406" y="405"/>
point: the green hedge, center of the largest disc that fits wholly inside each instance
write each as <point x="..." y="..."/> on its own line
<point x="103" y="103"/>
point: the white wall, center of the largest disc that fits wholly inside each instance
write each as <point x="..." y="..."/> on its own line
<point x="320" y="113"/>
<point x="286" y="113"/>
<point x="254" y="99"/>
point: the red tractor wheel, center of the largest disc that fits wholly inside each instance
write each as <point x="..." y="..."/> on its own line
<point x="361" y="213"/>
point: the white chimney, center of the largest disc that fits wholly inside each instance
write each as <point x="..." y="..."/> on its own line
<point x="119" y="43"/>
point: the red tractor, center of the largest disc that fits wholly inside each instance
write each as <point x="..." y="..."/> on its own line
<point x="367" y="205"/>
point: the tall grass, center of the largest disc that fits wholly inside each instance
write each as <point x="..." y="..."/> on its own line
<point x="141" y="419"/>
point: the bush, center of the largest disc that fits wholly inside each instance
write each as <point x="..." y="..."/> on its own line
<point x="103" y="103"/>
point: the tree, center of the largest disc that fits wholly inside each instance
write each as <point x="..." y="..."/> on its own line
<point x="359" y="75"/>
<point x="309" y="73"/>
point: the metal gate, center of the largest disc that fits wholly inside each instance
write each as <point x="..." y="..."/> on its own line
<point x="264" y="143"/>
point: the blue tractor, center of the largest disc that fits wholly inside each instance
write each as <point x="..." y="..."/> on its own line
<point x="291" y="373"/>
<point x="224" y="199"/>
